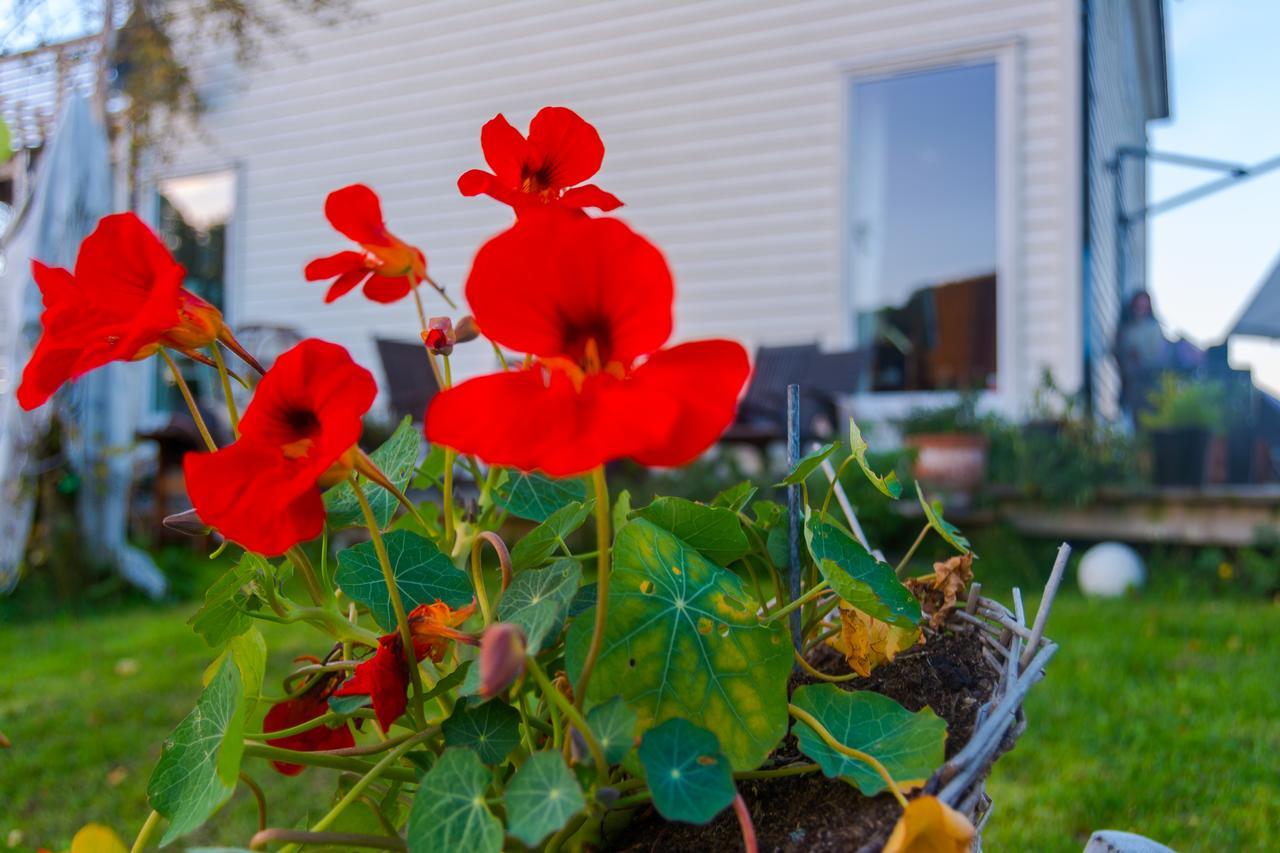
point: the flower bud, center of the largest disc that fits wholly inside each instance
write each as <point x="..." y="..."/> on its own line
<point x="468" y="330"/>
<point x="199" y="323"/>
<point x="438" y="337"/>
<point x="187" y="522"/>
<point x="501" y="661"/>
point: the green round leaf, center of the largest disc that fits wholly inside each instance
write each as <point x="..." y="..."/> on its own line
<point x="614" y="725"/>
<point x="449" y="812"/>
<point x="689" y="778"/>
<point x="396" y="458"/>
<point x="714" y="531"/>
<point x="491" y="729"/>
<point x="736" y="497"/>
<point x="858" y="577"/>
<point x="422" y="573"/>
<point x="223" y="616"/>
<point x="910" y="746"/>
<point x="808" y="464"/>
<point x="538" y="600"/>
<point x="541" y="798"/>
<point x="683" y="640"/>
<point x="535" y="497"/>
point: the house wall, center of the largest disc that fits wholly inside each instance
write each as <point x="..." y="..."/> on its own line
<point x="724" y="128"/>
<point x="1119" y="106"/>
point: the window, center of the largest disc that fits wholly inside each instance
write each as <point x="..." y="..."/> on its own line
<point x="923" y="247"/>
<point x="193" y="218"/>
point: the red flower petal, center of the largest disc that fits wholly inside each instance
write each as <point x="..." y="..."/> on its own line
<point x="505" y="150"/>
<point x="295" y="712"/>
<point x="333" y="265"/>
<point x="477" y="182"/>
<point x="384" y="678"/>
<point x="698" y="384"/>
<point x="356" y="212"/>
<point x="555" y="279"/>
<point x="590" y="195"/>
<point x="380" y="288"/>
<point x="345" y="283"/>
<point x="570" y="149"/>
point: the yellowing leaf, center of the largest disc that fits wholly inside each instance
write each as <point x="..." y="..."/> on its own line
<point x="96" y="838"/>
<point x="866" y="642"/>
<point x="930" y="826"/>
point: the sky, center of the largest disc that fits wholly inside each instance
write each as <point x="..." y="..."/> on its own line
<point x="1207" y="258"/>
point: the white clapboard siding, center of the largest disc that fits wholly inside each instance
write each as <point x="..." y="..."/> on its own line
<point x="723" y="126"/>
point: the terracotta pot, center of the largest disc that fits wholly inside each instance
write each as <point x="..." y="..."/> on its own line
<point x="949" y="461"/>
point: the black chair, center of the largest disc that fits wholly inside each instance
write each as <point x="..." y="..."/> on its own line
<point x="410" y="382"/>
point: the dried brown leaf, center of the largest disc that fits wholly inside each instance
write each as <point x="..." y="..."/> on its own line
<point x="939" y="591"/>
<point x="866" y="642"/>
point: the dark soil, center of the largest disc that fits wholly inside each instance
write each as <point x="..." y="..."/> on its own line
<point x="812" y="812"/>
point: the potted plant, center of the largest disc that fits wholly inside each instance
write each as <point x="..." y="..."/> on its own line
<point x="1181" y="417"/>
<point x="561" y="690"/>
<point x="950" y="446"/>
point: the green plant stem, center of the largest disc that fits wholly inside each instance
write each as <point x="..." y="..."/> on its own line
<point x="831" y="487"/>
<point x="911" y="552"/>
<point x="365" y="781"/>
<point x="330" y="840"/>
<point x="302" y="563"/>
<point x="631" y="800"/>
<point x="858" y="755"/>
<point x="819" y="674"/>
<point x="566" y="832"/>
<point x="477" y="580"/>
<point x="779" y="772"/>
<point x="602" y="583"/>
<point x="314" y="722"/>
<point x="145" y="833"/>
<point x="322" y="759"/>
<point x="813" y="592"/>
<point x="190" y="400"/>
<point x="232" y="413"/>
<point x="258" y="796"/>
<point x="393" y="591"/>
<point x="820" y="614"/>
<point x="575" y="717"/>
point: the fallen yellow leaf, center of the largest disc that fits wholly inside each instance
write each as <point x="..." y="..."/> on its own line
<point x="866" y="642"/>
<point x="930" y="826"/>
<point x="938" y="592"/>
<point x="96" y="838"/>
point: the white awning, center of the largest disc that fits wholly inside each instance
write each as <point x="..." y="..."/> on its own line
<point x="1262" y="317"/>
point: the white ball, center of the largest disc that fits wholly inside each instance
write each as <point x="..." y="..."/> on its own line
<point x="1109" y="568"/>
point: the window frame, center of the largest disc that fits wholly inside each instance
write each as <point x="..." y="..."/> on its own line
<point x="1005" y="54"/>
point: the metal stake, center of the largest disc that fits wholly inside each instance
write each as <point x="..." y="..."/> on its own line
<point x="793" y="507"/>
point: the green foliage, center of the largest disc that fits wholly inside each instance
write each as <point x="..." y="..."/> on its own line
<point x="948" y="531"/>
<point x="492" y="729"/>
<point x="541" y="797"/>
<point x="689" y="777"/>
<point x="858" y="577"/>
<point x="960" y="416"/>
<point x="539" y="544"/>
<point x="538" y="601"/>
<point x="888" y="485"/>
<point x="712" y="530"/>
<point x="535" y="497"/>
<point x="908" y="745"/>
<point x="808" y="464"/>
<point x="736" y="497"/>
<point x="449" y="811"/>
<point x="395" y="458"/>
<point x="223" y="614"/>
<point x="614" y="725"/>
<point x="1180" y="402"/>
<point x="422" y="575"/>
<point x="682" y="640"/>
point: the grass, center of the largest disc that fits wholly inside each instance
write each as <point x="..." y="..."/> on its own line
<point x="1158" y="716"/>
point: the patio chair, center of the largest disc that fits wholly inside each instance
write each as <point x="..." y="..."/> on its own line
<point x="410" y="383"/>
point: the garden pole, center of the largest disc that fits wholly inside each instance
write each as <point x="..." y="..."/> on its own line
<point x="793" y="508"/>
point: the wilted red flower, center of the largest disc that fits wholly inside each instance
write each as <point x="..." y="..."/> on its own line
<point x="591" y="300"/>
<point x="439" y="336"/>
<point x="123" y="302"/>
<point x="294" y="712"/>
<point x="384" y="678"/>
<point x="561" y="151"/>
<point x="297" y="436"/>
<point x="388" y="267"/>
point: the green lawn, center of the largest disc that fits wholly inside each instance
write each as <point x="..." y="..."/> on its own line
<point x="1158" y="716"/>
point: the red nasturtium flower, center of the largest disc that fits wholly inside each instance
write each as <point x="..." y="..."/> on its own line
<point x="560" y="152"/>
<point x="384" y="678"/>
<point x="297" y="436"/>
<point x="388" y="267"/>
<point x="590" y="301"/>
<point x="294" y="712"/>
<point x="124" y="301"/>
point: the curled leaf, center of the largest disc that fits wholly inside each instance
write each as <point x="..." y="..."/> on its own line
<point x="930" y="826"/>
<point x="944" y="528"/>
<point x="808" y="464"/>
<point x="867" y="642"/>
<point x="888" y="484"/>
<point x="939" y="591"/>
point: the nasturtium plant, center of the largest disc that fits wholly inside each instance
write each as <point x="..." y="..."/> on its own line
<point x="490" y="650"/>
<point x="948" y="531"/>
